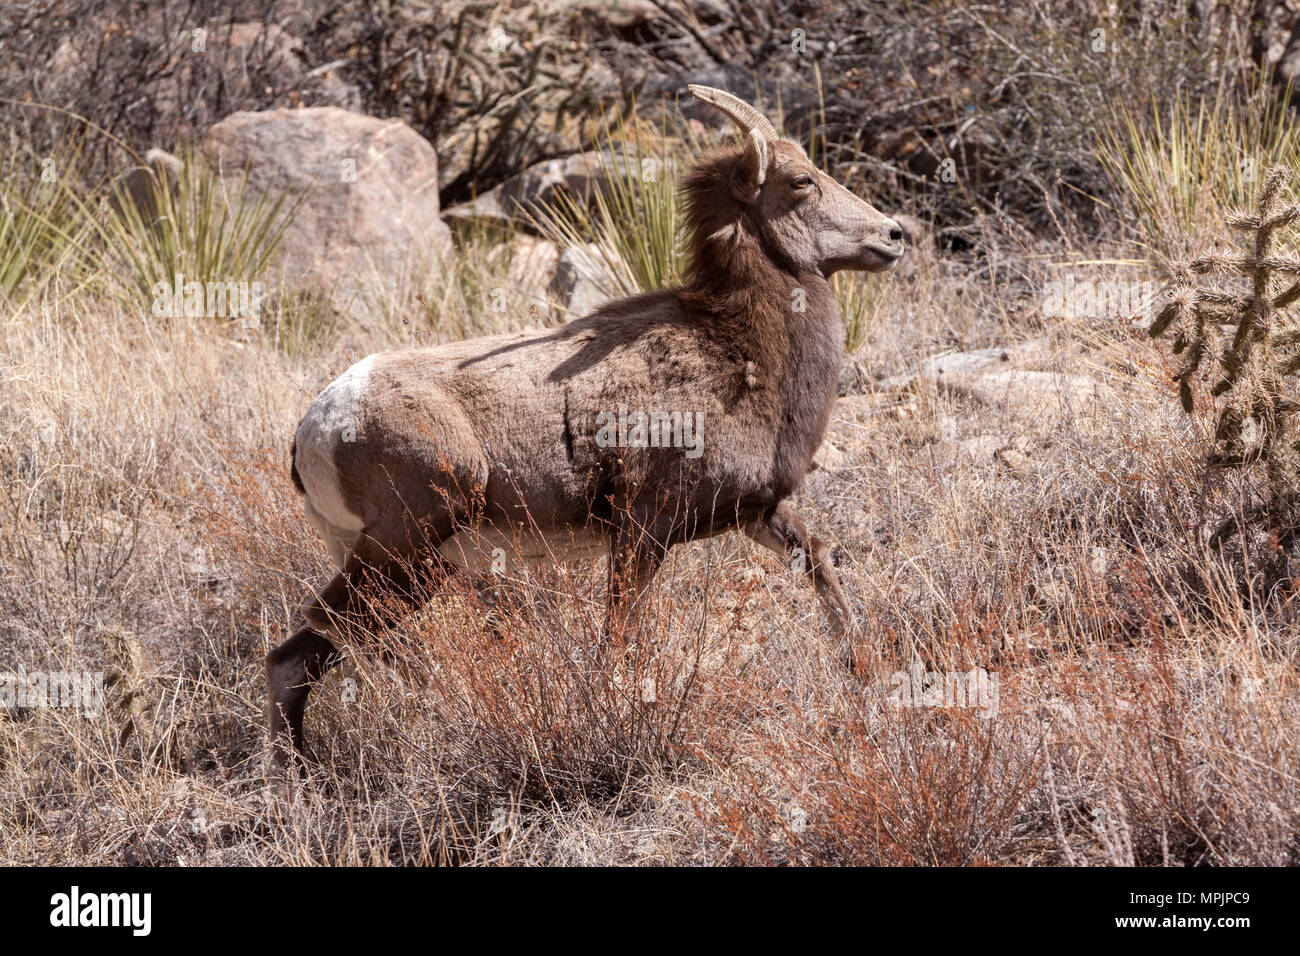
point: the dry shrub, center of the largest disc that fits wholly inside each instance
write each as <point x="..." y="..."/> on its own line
<point x="514" y="699"/>
<point x="879" y="785"/>
<point x="257" y="538"/>
<point x="1165" y="745"/>
<point x="1171" y="757"/>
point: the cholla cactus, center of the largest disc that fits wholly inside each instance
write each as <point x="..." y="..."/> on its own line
<point x="1255" y="337"/>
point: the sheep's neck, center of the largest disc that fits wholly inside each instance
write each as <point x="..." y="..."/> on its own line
<point x="785" y="325"/>
<point x="785" y="320"/>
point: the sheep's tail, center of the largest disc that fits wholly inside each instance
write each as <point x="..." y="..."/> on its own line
<point x="293" y="468"/>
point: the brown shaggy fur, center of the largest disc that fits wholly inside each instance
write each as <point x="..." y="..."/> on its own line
<point x="501" y="432"/>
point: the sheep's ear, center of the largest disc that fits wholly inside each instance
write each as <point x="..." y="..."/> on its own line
<point x="752" y="171"/>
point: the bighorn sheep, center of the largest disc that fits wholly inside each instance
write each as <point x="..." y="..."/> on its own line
<point x="408" y="456"/>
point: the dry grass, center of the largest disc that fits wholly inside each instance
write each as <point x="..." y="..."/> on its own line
<point x="1147" y="689"/>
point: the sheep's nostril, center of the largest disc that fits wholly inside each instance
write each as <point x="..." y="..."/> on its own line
<point x="896" y="234"/>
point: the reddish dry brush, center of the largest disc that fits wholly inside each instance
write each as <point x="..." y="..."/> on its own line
<point x="250" y="519"/>
<point x="502" y="684"/>
<point x="853" y="777"/>
<point x="1166" y="762"/>
<point x="1162" y="745"/>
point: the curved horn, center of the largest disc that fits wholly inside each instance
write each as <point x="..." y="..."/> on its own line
<point x="735" y="109"/>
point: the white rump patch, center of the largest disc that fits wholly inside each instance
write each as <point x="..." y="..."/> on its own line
<point x="333" y="419"/>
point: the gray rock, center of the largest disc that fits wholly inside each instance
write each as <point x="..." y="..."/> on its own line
<point x="513" y="200"/>
<point x="857" y="379"/>
<point x="531" y="262"/>
<point x="369" y="188"/>
<point x="580" y="175"/>
<point x="1031" y="395"/>
<point x="829" y="457"/>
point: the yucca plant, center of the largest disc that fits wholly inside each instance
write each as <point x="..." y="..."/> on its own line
<point x="633" y="218"/>
<point x="1183" y="166"/>
<point x="1248" y="343"/>
<point x="42" y="226"/>
<point x="196" y="226"/>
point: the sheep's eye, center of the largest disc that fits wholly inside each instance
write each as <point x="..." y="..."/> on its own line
<point x="801" y="182"/>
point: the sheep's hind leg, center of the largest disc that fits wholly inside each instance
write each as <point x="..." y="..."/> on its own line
<point x="341" y="606"/>
<point x="291" y="669"/>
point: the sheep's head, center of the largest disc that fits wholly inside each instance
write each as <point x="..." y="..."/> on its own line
<point x="799" y="212"/>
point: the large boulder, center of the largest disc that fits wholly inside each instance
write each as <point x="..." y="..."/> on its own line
<point x="369" y="192"/>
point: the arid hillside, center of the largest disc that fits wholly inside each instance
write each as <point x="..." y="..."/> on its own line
<point x="1059" y="476"/>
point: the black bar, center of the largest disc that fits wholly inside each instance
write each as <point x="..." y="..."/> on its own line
<point x="227" y="905"/>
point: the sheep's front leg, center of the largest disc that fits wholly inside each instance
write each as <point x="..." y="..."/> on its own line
<point x="782" y="531"/>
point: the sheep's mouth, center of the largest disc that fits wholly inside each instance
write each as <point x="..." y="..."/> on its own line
<point x="888" y="253"/>
<point x="879" y="257"/>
